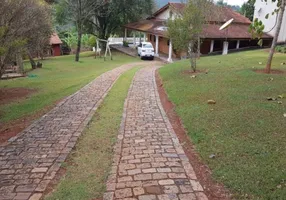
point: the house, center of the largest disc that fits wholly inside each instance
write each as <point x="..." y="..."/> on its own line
<point x="263" y="8"/>
<point x="55" y="45"/>
<point x="237" y="35"/>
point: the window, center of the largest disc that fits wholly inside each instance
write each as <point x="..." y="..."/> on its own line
<point x="147" y="46"/>
<point x="154" y="38"/>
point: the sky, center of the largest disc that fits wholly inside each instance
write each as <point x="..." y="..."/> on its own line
<point x="235" y="2"/>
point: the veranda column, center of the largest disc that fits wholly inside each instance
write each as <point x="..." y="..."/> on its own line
<point x="157" y="46"/>
<point x="170" y="51"/>
<point x="134" y="40"/>
<point x="125" y="35"/>
<point x="212" y="46"/>
<point x="140" y="39"/>
<point x="237" y="44"/>
<point x="144" y="37"/>
<point x="225" y="48"/>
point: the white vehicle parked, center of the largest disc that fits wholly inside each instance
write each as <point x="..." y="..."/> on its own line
<point x="146" y="50"/>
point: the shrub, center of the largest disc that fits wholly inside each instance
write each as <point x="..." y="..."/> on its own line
<point x="125" y="44"/>
<point x="92" y="41"/>
<point x="281" y="48"/>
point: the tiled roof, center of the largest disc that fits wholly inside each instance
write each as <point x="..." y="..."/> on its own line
<point x="55" y="39"/>
<point x="224" y="13"/>
<point x="237" y="30"/>
<point x="234" y="31"/>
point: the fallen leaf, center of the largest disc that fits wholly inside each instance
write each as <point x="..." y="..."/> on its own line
<point x="211" y="102"/>
<point x="271" y="99"/>
<point x="212" y="156"/>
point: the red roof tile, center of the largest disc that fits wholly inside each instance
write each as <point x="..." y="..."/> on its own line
<point x="55" y="39"/>
<point x="237" y="30"/>
<point x="234" y="31"/>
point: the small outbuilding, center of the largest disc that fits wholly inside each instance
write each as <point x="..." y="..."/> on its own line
<point x="55" y="43"/>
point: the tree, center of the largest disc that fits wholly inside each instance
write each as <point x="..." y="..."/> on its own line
<point x="110" y="18"/>
<point x="257" y="27"/>
<point x="186" y="28"/>
<point x="20" y="23"/>
<point x="233" y="7"/>
<point x="79" y="12"/>
<point x="247" y="9"/>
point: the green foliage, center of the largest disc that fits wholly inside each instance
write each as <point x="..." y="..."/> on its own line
<point x="257" y="27"/>
<point x="185" y="29"/>
<point x="247" y="9"/>
<point x="92" y="41"/>
<point x="125" y="44"/>
<point x="188" y="26"/>
<point x="70" y="38"/>
<point x="281" y="49"/>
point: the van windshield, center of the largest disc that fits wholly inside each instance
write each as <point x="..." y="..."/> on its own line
<point x="149" y="46"/>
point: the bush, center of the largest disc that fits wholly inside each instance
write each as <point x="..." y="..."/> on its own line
<point x="125" y="44"/>
<point x="280" y="48"/>
<point x="92" y="41"/>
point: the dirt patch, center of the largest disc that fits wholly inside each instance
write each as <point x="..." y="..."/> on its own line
<point x="273" y="71"/>
<point x="11" y="129"/>
<point x="8" y="95"/>
<point x="214" y="190"/>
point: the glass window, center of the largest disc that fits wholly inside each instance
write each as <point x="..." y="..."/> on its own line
<point x="147" y="46"/>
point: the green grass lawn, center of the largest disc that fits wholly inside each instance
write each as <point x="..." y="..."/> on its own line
<point x="59" y="77"/>
<point x="90" y="163"/>
<point x="246" y="132"/>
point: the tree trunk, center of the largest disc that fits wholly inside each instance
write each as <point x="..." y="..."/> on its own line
<point x="20" y="62"/>
<point x="33" y="63"/>
<point x="79" y="31"/>
<point x="192" y="56"/>
<point x="1" y="69"/>
<point x="275" y="39"/>
<point x="78" y="44"/>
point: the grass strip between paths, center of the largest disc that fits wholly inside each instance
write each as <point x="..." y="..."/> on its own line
<point x="89" y="164"/>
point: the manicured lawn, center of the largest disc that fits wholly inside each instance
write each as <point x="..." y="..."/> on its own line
<point x="90" y="163"/>
<point x="58" y="78"/>
<point x="246" y="132"/>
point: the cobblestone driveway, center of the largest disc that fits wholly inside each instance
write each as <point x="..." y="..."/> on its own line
<point x="149" y="162"/>
<point x="31" y="160"/>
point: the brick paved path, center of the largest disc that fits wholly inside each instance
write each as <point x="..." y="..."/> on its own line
<point x="31" y="160"/>
<point x="149" y="162"/>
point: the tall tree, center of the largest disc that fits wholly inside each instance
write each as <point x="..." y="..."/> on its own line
<point x="257" y="27"/>
<point x="20" y="21"/>
<point x="247" y="9"/>
<point x="185" y="30"/>
<point x="79" y="11"/>
<point x="110" y="18"/>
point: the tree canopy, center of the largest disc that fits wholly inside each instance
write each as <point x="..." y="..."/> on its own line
<point x="247" y="9"/>
<point x="25" y="25"/>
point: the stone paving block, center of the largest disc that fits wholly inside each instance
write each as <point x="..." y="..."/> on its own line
<point x="147" y="197"/>
<point x="123" y="193"/>
<point x="138" y="191"/>
<point x="150" y="156"/>
<point x="31" y="160"/>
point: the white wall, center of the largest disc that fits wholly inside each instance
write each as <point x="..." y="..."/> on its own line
<point x="164" y="15"/>
<point x="261" y="10"/>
